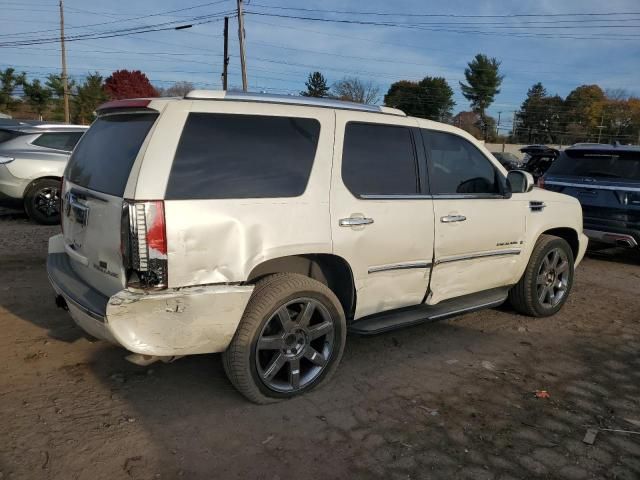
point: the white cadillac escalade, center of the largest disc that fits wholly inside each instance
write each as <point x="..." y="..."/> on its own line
<point x="266" y="227"/>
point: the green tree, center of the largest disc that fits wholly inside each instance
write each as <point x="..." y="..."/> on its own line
<point x="316" y="86"/>
<point x="88" y="96"/>
<point x="540" y="119"/>
<point x="584" y="107"/>
<point x="54" y="84"/>
<point x="431" y="97"/>
<point x="483" y="84"/>
<point x="37" y="95"/>
<point x="8" y="83"/>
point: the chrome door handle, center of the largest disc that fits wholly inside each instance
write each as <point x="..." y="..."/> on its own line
<point x="355" y="221"/>
<point x="453" y="218"/>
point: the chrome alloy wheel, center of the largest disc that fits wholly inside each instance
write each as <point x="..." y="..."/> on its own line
<point x="47" y="201"/>
<point x="295" y="345"/>
<point x="553" y="278"/>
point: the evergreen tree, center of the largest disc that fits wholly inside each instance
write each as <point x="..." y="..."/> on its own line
<point x="316" y="86"/>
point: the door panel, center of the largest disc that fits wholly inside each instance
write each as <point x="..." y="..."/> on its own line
<point x="479" y="231"/>
<point x="479" y="253"/>
<point x="383" y="229"/>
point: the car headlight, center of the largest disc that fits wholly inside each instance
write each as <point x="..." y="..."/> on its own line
<point x="6" y="159"/>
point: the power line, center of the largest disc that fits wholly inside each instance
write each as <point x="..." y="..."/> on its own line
<point x="164" y="13"/>
<point x="455" y="15"/>
<point x="449" y="30"/>
<point x="204" y="19"/>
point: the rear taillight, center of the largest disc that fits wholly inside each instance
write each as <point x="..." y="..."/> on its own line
<point x="541" y="182"/>
<point x="144" y="244"/>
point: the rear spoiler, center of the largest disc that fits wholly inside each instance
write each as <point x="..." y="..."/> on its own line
<point x="134" y="103"/>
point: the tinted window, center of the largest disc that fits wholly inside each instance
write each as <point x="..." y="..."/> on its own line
<point x="378" y="160"/>
<point x="103" y="159"/>
<point x="597" y="163"/>
<point x="59" y="141"/>
<point x="457" y="166"/>
<point x="243" y="156"/>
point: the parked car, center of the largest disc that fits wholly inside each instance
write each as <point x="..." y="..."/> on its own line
<point x="32" y="159"/>
<point x="606" y="181"/>
<point x="265" y="227"/>
<point x="538" y="159"/>
<point x="508" y="160"/>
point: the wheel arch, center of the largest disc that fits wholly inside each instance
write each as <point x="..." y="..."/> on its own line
<point x="331" y="270"/>
<point x="33" y="181"/>
<point x="568" y="234"/>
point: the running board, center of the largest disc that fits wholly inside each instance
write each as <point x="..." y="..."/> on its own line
<point x="408" y="316"/>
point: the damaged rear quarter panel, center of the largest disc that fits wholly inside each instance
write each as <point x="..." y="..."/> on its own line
<point x="223" y="240"/>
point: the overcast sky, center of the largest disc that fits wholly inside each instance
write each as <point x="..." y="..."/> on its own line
<point x="282" y="51"/>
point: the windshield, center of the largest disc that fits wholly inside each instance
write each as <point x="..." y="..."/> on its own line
<point x="598" y="163"/>
<point x="103" y="159"/>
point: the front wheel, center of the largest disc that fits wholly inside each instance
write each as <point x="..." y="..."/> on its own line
<point x="290" y="339"/>
<point x="547" y="281"/>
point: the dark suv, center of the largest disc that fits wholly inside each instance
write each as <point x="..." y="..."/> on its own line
<point x="606" y="181"/>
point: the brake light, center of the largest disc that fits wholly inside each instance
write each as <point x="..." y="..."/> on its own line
<point x="541" y="182"/>
<point x="144" y="244"/>
<point x="128" y="103"/>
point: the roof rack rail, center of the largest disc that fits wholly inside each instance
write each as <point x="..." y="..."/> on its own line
<point x="289" y="100"/>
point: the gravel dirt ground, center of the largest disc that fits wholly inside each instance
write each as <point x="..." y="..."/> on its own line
<point x="447" y="400"/>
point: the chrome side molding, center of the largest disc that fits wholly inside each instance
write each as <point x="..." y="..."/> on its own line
<point x="399" y="266"/>
<point x="491" y="253"/>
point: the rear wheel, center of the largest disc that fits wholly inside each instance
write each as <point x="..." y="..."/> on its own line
<point x="290" y="339"/>
<point x="42" y="201"/>
<point x="547" y="281"/>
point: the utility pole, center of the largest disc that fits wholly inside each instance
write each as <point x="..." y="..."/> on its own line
<point x="65" y="83"/>
<point x="498" y="124"/>
<point x="600" y="127"/>
<point x="243" y="63"/>
<point x="225" y="61"/>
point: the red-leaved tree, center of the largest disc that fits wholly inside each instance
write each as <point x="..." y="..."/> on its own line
<point x="128" y="84"/>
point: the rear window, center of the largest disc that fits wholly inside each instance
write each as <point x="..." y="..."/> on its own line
<point x="594" y="163"/>
<point x="103" y="159"/>
<point x="58" y="140"/>
<point x="243" y="156"/>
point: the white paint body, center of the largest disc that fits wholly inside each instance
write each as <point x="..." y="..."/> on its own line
<point x="214" y="245"/>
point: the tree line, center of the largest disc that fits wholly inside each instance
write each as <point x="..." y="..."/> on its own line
<point x="587" y="114"/>
<point x="45" y="99"/>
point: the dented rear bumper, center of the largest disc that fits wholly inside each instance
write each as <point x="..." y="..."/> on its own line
<point x="200" y="319"/>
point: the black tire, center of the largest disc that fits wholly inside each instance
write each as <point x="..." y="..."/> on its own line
<point x="525" y="296"/>
<point x="243" y="358"/>
<point x="42" y="201"/>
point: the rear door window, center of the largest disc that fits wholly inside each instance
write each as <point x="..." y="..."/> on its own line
<point x="59" y="140"/>
<point x="379" y="159"/>
<point x="243" y="156"/>
<point x="597" y="163"/>
<point x="458" y="167"/>
<point x="102" y="161"/>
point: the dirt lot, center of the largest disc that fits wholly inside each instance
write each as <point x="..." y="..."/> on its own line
<point x="447" y="400"/>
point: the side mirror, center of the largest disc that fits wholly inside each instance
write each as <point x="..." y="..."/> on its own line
<point x="520" y="181"/>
